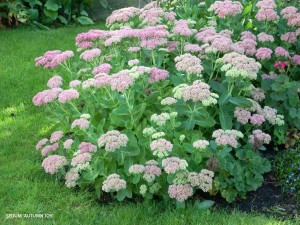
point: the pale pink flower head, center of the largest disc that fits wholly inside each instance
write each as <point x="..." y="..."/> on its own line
<point x="242" y="115"/>
<point x="161" y="147"/>
<point x="89" y="55"/>
<point x="296" y="59"/>
<point x="56" y="136"/>
<point x="194" y="48"/>
<point x="74" y="83"/>
<point x="46" y="59"/>
<point x="81" y="123"/>
<point x="263" y="53"/>
<point x="287" y="12"/>
<point x="113" y="183"/>
<point x="133" y="62"/>
<point x="68" y="95"/>
<point x="258" y="135"/>
<point x="134" y="49"/>
<point x="172" y="46"/>
<point x="227" y="137"/>
<point x="226" y="8"/>
<point x="173" y="164"/>
<point x="289" y="37"/>
<point x="168" y="101"/>
<point x="157" y="75"/>
<point x="113" y="140"/>
<point x="122" y="15"/>
<point x="85" y="45"/>
<point x="49" y="148"/>
<point x="68" y="143"/>
<point x="46" y="96"/>
<point x="182" y="28"/>
<point x="152" y="16"/>
<point x="55" y="82"/>
<point x="104" y="68"/>
<point x="60" y="58"/>
<point x="87" y="147"/>
<point x="266" y="4"/>
<point x="201" y="144"/>
<point x="189" y="64"/>
<point x="101" y="79"/>
<point x="121" y="81"/>
<point x="81" y="159"/>
<point x="151" y="171"/>
<point x="266" y="15"/>
<point x="136" y="169"/>
<point x="258" y="94"/>
<point x="180" y="192"/>
<point x="263" y="37"/>
<point x="53" y="163"/>
<point x="41" y="143"/>
<point x="205" y="33"/>
<point x="294" y="20"/>
<point x="71" y="177"/>
<point x="271" y="75"/>
<point x="257" y="119"/>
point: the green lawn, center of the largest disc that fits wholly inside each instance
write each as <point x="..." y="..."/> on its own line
<point x="25" y="188"/>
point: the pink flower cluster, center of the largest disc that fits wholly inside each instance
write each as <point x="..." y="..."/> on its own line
<point x="242" y="115"/>
<point x="89" y="55"/>
<point x="188" y="63"/>
<point x="180" y="192"/>
<point x="226" y="8"/>
<point x="74" y="83"/>
<point x="157" y="75"/>
<point x="81" y="159"/>
<point x="71" y="177"/>
<point x="288" y="12"/>
<point x="257" y="119"/>
<point x="68" y="143"/>
<point x="113" y="140"/>
<point x="49" y="148"/>
<point x="121" y="81"/>
<point x="201" y="144"/>
<point x="53" y="163"/>
<point x="258" y="94"/>
<point x="41" y="143"/>
<point x="263" y="53"/>
<point x="133" y="62"/>
<point x="87" y="147"/>
<point x="258" y="135"/>
<point x="194" y="48"/>
<point x="68" y="95"/>
<point x="202" y="180"/>
<point x="168" y="101"/>
<point x="113" y="183"/>
<point x="104" y="68"/>
<point x="289" y="37"/>
<point x="198" y="91"/>
<point x="52" y="59"/>
<point x="263" y="37"/>
<point x="173" y="164"/>
<point x="56" y="136"/>
<point x="266" y="11"/>
<point x="151" y="171"/>
<point x="227" y="137"/>
<point x="205" y="34"/>
<point x="136" y="169"/>
<point x="54" y="82"/>
<point x="271" y="75"/>
<point x="160" y="119"/>
<point x="152" y="16"/>
<point x="161" y="147"/>
<point x="46" y="96"/>
<point x="122" y="15"/>
<point x="181" y="28"/>
<point x="82" y="123"/>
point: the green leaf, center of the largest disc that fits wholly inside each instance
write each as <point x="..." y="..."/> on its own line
<point x="247" y="9"/>
<point x="206" y="204"/>
<point x="83" y="20"/>
<point x="180" y="205"/>
<point x="52" y="5"/>
<point x="225" y="120"/>
<point x="62" y="20"/>
<point x="51" y="14"/>
<point x="240" y="101"/>
<point x="136" y="179"/>
<point x="121" y="195"/>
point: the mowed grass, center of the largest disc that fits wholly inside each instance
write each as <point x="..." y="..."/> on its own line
<point x="25" y="188"/>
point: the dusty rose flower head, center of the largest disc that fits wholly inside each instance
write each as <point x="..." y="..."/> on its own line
<point x="151" y="171"/>
<point x="55" y="82"/>
<point x="53" y="163"/>
<point x="152" y="16"/>
<point x="49" y="148"/>
<point x="205" y="33"/>
<point x="296" y="59"/>
<point x="113" y="183"/>
<point x="189" y="64"/>
<point x="263" y="37"/>
<point x="71" y="177"/>
<point x="113" y="140"/>
<point x="122" y="15"/>
<point x="294" y="20"/>
<point x="56" y="136"/>
<point x="289" y="37"/>
<point x="41" y="143"/>
<point x="68" y="95"/>
<point x="173" y="164"/>
<point x="287" y="12"/>
<point x="266" y="15"/>
<point x="182" y="28"/>
<point x="74" y="83"/>
<point x="136" y="169"/>
<point x="257" y="119"/>
<point x="227" y="137"/>
<point x="242" y="115"/>
<point x="180" y="192"/>
<point x="157" y="75"/>
<point x="121" y="81"/>
<point x="226" y="8"/>
<point x="263" y="53"/>
<point x="81" y="159"/>
<point x="68" y="143"/>
<point x="281" y="52"/>
<point x="258" y="135"/>
<point x="258" y="94"/>
<point x="201" y="144"/>
<point x="46" y="96"/>
<point x="46" y="59"/>
<point x="87" y="147"/>
<point x="194" y="48"/>
<point x="60" y="58"/>
<point x="89" y="55"/>
<point x="81" y="123"/>
<point x="271" y="75"/>
<point x="104" y="68"/>
<point x="161" y="147"/>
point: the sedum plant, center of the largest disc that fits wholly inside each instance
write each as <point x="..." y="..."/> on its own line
<point x="155" y="107"/>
